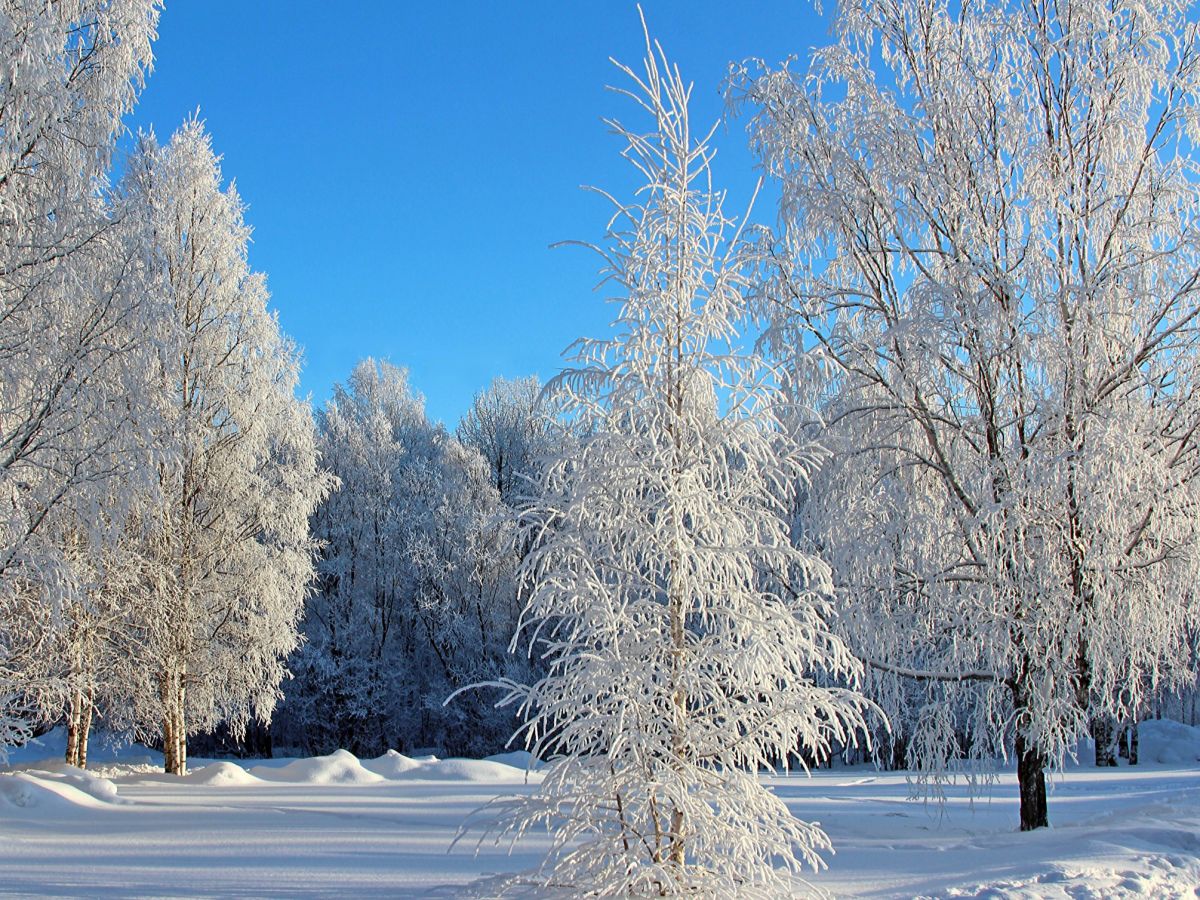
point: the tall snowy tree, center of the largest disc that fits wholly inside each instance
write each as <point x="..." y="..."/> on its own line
<point x="226" y="528"/>
<point x="70" y="71"/>
<point x="991" y="242"/>
<point x="678" y="666"/>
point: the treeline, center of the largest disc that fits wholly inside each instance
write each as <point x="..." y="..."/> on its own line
<point x="417" y="592"/>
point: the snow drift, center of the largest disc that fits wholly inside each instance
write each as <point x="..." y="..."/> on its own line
<point x="339" y="767"/>
<point x="222" y="774"/>
<point x="56" y="790"/>
<point x="1168" y="743"/>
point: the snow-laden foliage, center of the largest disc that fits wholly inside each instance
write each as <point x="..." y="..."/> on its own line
<point x="991" y="242"/>
<point x="224" y="532"/>
<point x="68" y="310"/>
<point x="417" y="592"/>
<point x="681" y="629"/>
<point x="507" y="426"/>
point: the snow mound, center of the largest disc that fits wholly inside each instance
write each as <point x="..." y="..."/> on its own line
<point x="518" y="759"/>
<point x="1168" y="743"/>
<point x="222" y="774"/>
<point x="392" y="764"/>
<point x="478" y="770"/>
<point x="57" y="771"/>
<point x="44" y="790"/>
<point x="339" y="767"/>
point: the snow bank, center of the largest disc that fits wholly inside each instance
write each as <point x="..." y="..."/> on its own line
<point x="481" y="771"/>
<point x="1168" y="743"/>
<point x="339" y="767"/>
<point x="393" y="764"/>
<point x="518" y="759"/>
<point x="478" y="770"/>
<point x="222" y="774"/>
<point x="42" y="790"/>
<point x="494" y="770"/>
<point x="55" y="771"/>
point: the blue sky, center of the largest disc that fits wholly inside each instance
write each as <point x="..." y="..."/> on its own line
<point x="408" y="165"/>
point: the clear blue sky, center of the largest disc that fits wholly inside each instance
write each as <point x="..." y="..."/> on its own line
<point x="407" y="165"/>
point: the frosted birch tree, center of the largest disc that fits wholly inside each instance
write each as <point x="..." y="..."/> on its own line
<point x="991" y="241"/>
<point x="677" y="667"/>
<point x="70" y="70"/>
<point x="226" y="529"/>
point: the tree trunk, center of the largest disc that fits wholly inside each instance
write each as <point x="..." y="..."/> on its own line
<point x="168" y="698"/>
<point x="1031" y="780"/>
<point x="677" y="854"/>
<point x="181" y="726"/>
<point x="1104" y="734"/>
<point x="79" y="726"/>
<point x="1031" y="761"/>
<point x="84" y="730"/>
<point x="72" y="756"/>
<point x="174" y="724"/>
<point x="1129" y="742"/>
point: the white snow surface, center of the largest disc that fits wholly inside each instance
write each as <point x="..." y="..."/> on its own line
<point x="335" y="826"/>
<point x="339" y="767"/>
<point x="221" y="774"/>
<point x="393" y="764"/>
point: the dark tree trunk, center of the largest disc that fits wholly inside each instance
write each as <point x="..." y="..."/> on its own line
<point x="1129" y="743"/>
<point x="899" y="753"/>
<point x="1104" y="734"/>
<point x="1031" y="780"/>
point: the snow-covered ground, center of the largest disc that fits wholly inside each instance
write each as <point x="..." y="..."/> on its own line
<point x="338" y="826"/>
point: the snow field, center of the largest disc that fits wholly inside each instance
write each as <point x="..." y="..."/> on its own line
<point x="337" y="826"/>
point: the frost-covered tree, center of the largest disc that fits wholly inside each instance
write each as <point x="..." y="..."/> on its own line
<point x="506" y="425"/>
<point x="225" y="529"/>
<point x="991" y="242"/>
<point x="70" y="71"/>
<point x="97" y="639"/>
<point x="679" y="664"/>
<point x="417" y="593"/>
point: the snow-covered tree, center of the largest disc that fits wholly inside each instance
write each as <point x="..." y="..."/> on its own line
<point x="505" y="424"/>
<point x="681" y="629"/>
<point x="225" y="529"/>
<point x="417" y="592"/>
<point x="991" y="242"/>
<point x="70" y="71"/>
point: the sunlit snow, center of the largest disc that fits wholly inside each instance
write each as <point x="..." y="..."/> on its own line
<point x="336" y="825"/>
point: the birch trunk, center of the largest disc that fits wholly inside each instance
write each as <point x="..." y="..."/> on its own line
<point x="72" y="757"/>
<point x="79" y="726"/>
<point x="174" y="723"/>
